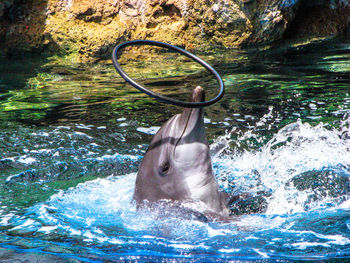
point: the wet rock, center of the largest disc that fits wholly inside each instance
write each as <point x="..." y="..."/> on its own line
<point x="2" y="9"/>
<point x="21" y="26"/>
<point x="4" y="5"/>
<point x="273" y="19"/>
<point x="321" y="18"/>
<point x="89" y="29"/>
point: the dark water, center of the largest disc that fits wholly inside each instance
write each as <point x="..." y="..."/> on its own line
<point x="72" y="136"/>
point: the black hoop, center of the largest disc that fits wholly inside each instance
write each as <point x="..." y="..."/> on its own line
<point x="159" y="96"/>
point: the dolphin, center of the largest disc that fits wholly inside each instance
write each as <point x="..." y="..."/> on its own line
<point x="177" y="165"/>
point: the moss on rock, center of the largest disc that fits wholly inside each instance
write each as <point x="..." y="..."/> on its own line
<point x="89" y="29"/>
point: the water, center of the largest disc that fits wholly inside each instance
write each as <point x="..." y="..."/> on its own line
<point x="72" y="137"/>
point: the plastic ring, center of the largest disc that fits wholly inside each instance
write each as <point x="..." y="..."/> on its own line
<point x="159" y="96"/>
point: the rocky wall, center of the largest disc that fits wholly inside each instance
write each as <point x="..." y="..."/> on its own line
<point x="90" y="28"/>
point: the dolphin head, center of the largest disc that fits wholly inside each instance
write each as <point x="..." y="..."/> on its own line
<point x="177" y="164"/>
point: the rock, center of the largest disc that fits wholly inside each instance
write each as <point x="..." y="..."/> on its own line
<point x="89" y="29"/>
<point x="2" y="9"/>
<point x="321" y="18"/>
<point x="270" y="19"/>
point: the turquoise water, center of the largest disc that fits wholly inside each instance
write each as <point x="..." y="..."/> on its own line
<point x="72" y="137"/>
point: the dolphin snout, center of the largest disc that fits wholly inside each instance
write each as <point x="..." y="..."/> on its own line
<point x="198" y="94"/>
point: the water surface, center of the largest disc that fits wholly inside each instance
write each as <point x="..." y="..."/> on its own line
<point x="72" y="136"/>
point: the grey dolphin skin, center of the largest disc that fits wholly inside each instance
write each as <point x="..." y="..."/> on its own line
<point x="177" y="165"/>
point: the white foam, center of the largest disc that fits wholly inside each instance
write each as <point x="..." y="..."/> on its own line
<point x="85" y="127"/>
<point x="82" y="134"/>
<point x="229" y="250"/>
<point x="305" y="245"/>
<point x="25" y="225"/>
<point x="4" y="220"/>
<point x="47" y="229"/>
<point x="151" y="130"/>
<point x="261" y="253"/>
<point x="26" y="160"/>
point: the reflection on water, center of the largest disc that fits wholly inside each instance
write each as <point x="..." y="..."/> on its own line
<point x="72" y="137"/>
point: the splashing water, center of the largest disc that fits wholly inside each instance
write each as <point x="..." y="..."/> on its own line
<point x="301" y="168"/>
<point x="298" y="182"/>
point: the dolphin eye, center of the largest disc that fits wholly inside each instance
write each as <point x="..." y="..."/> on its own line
<point x="164" y="169"/>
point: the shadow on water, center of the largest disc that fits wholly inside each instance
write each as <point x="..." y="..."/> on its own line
<point x="19" y="61"/>
<point x="22" y="24"/>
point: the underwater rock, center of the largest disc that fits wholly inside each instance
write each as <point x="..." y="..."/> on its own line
<point x="89" y="29"/>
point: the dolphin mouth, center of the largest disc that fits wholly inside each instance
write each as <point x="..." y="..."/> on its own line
<point x="198" y="94"/>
